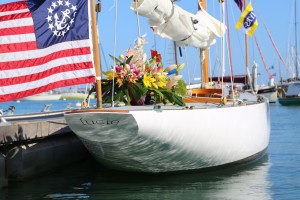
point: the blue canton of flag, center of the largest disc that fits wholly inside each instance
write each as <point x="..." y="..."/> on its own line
<point x="59" y="21"/>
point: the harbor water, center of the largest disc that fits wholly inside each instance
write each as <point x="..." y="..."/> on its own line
<point x="275" y="176"/>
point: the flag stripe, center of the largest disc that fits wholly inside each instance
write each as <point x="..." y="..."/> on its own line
<point x="26" y="69"/>
<point x="43" y="74"/>
<point x="44" y="81"/>
<point x="22" y="46"/>
<point x="10" y="73"/>
<point x="38" y="53"/>
<point x="23" y="63"/>
<point x="17" y="30"/>
<point x="17" y="38"/>
<point x="58" y="84"/>
<point x="15" y="16"/>
<point x="13" y="7"/>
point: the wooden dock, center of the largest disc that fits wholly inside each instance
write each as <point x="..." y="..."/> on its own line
<point x="32" y="147"/>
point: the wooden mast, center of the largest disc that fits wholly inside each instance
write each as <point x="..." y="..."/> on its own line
<point x="246" y="48"/>
<point x="205" y="53"/>
<point x="96" y="53"/>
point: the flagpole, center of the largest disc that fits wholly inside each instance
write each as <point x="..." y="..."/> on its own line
<point x="96" y="53"/>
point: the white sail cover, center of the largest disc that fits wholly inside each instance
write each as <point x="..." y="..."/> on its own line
<point x="293" y="89"/>
<point x="172" y="22"/>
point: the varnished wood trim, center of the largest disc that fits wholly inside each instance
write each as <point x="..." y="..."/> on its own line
<point x="97" y="110"/>
<point x="202" y="100"/>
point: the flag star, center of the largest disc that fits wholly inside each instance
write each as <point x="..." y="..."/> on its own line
<point x="74" y="8"/>
<point x="55" y="32"/>
<point x="50" y="10"/>
<point x="60" y="2"/>
<point x="54" y="4"/>
<point x="67" y="3"/>
<point x="49" y="18"/>
<point x="51" y="26"/>
<point x="71" y="21"/>
<point x="68" y="28"/>
<point x="63" y="33"/>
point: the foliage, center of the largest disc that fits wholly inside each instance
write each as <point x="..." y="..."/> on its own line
<point x="134" y="76"/>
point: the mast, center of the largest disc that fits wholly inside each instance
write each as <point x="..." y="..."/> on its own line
<point x="296" y="51"/>
<point x="96" y="53"/>
<point x="246" y="48"/>
<point x="204" y="52"/>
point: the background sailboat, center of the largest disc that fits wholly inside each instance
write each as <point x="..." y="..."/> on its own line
<point x="289" y="90"/>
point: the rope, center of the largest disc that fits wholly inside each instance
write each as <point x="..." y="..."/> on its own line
<point x="138" y="19"/>
<point x="188" y="70"/>
<point x="262" y="57"/>
<point x="115" y="47"/>
<point x="229" y="52"/>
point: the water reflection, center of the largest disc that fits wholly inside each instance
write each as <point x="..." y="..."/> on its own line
<point x="90" y="181"/>
<point x="246" y="182"/>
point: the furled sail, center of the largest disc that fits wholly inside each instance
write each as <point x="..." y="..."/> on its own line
<point x="172" y="22"/>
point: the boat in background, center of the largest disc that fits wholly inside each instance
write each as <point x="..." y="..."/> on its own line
<point x="290" y="94"/>
<point x="210" y="129"/>
<point x="270" y="92"/>
<point x="289" y="90"/>
<point x="75" y="96"/>
<point x="50" y="95"/>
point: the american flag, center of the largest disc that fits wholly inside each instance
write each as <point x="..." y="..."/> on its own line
<point x="44" y="45"/>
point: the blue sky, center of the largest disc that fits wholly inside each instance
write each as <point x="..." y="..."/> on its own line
<point x="276" y="14"/>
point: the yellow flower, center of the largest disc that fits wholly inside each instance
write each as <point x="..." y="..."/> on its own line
<point x="161" y="80"/>
<point x="148" y="80"/>
<point x="110" y="74"/>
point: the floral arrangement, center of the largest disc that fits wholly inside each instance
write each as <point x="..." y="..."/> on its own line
<point x="138" y="80"/>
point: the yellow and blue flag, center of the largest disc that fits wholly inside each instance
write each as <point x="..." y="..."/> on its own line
<point x="247" y="22"/>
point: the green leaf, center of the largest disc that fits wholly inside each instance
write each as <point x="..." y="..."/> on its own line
<point x="127" y="97"/>
<point x="180" y="88"/>
<point x="180" y="67"/>
<point x="129" y="59"/>
<point x="136" y="90"/>
<point x="178" y="100"/>
<point x="115" y="59"/>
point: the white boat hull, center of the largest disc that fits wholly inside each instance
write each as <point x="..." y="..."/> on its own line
<point x="43" y="97"/>
<point x="272" y="96"/>
<point x="173" y="140"/>
<point x="270" y="92"/>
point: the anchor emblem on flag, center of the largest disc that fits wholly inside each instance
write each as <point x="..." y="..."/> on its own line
<point x="61" y="16"/>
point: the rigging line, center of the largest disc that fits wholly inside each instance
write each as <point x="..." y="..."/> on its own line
<point x="100" y="44"/>
<point x="272" y="41"/>
<point x="222" y="62"/>
<point x="228" y="41"/>
<point x="274" y="45"/>
<point x="236" y="32"/>
<point x="137" y="18"/>
<point x="188" y="70"/>
<point x="115" y="47"/>
<point x="262" y="57"/>
<point x="229" y="52"/>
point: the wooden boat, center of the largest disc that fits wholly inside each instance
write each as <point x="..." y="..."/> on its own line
<point x="150" y="123"/>
<point x="212" y="129"/>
